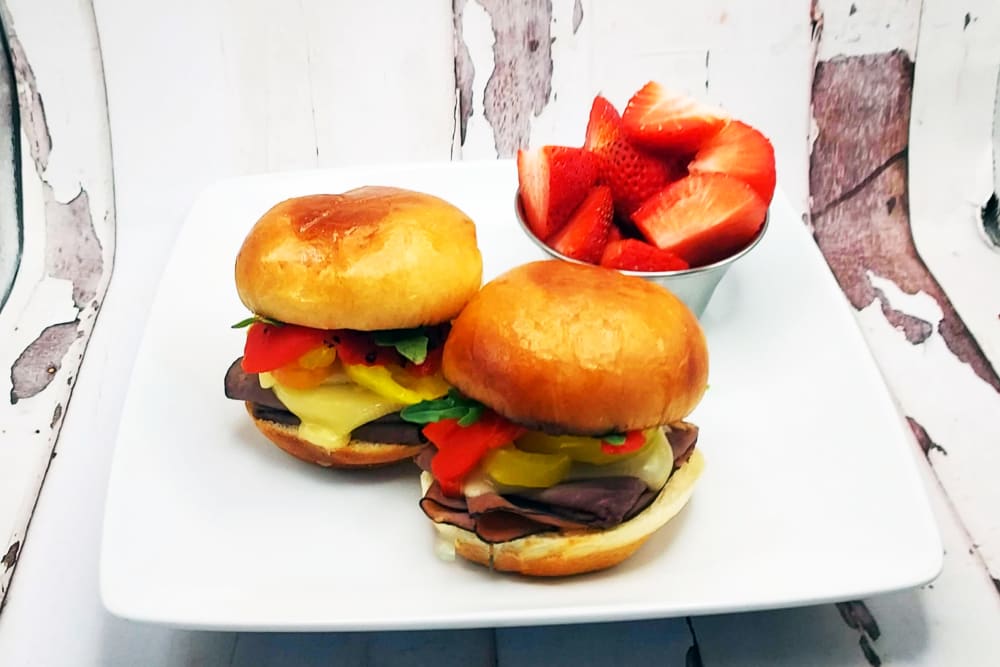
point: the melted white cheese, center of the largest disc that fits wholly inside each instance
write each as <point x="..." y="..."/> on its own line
<point x="330" y="412"/>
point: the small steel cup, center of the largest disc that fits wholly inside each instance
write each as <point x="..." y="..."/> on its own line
<point x="692" y="286"/>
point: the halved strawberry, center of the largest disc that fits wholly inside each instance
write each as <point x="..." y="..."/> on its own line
<point x="553" y="180"/>
<point x="702" y="217"/>
<point x="632" y="174"/>
<point x="636" y="255"/>
<point x="586" y="233"/>
<point x="659" y="119"/>
<point x="740" y="151"/>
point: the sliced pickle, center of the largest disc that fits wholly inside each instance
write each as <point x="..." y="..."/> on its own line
<point x="512" y="467"/>
<point x="577" y="447"/>
<point x="384" y="382"/>
<point x="652" y="464"/>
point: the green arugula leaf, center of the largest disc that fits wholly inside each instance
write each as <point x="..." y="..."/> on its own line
<point x="453" y="406"/>
<point x="471" y="416"/>
<point x="411" y="343"/>
<point x="257" y="318"/>
<point x="614" y="439"/>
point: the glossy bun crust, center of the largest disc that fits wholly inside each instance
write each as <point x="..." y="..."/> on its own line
<point x="371" y="258"/>
<point x="575" y="552"/>
<point x="570" y="348"/>
<point x="355" y="454"/>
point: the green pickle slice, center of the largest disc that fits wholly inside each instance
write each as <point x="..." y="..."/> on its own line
<point x="577" y="447"/>
<point x="512" y="467"/>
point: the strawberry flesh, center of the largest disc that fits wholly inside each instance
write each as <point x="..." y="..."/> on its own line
<point x="635" y="255"/>
<point x="553" y="181"/>
<point x="702" y="218"/>
<point x="632" y="174"/>
<point x="662" y="120"/>
<point x="740" y="151"/>
<point x="586" y="233"/>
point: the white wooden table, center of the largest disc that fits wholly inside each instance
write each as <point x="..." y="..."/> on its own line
<point x="115" y="113"/>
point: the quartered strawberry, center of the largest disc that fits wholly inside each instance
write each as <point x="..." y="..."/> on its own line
<point x="636" y="255"/>
<point x="553" y="180"/>
<point x="740" y="151"/>
<point x="586" y="233"/>
<point x="615" y="233"/>
<point x="662" y="120"/>
<point x="703" y="217"/>
<point x="633" y="175"/>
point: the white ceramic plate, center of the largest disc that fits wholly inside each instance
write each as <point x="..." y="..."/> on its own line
<point x="811" y="491"/>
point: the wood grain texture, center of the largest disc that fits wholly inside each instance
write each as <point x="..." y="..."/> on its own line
<point x="281" y="88"/>
<point x="521" y="81"/>
<point x="11" y="232"/>
<point x="66" y="215"/>
<point x="860" y="215"/>
<point x="860" y="199"/>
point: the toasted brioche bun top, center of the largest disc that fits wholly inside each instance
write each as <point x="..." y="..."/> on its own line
<point x="570" y="348"/>
<point x="368" y="259"/>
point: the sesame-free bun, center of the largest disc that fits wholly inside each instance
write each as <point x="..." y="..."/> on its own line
<point x="355" y="454"/>
<point x="571" y="348"/>
<point x="371" y="258"/>
<point x="576" y="551"/>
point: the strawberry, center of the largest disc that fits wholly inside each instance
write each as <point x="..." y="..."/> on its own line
<point x="658" y="119"/>
<point x="702" y="217"/>
<point x="553" y="180"/>
<point x="632" y="174"/>
<point x="586" y="233"/>
<point x="635" y="255"/>
<point x="615" y="234"/>
<point x="740" y="151"/>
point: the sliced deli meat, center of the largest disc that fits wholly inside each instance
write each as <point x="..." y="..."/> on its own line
<point x="243" y="386"/>
<point x="579" y="505"/>
<point x="682" y="437"/>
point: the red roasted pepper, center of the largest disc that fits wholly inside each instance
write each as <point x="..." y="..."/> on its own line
<point x="270" y="346"/>
<point x="461" y="448"/>
<point x="634" y="440"/>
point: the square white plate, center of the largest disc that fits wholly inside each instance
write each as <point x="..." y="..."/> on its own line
<point x="811" y="491"/>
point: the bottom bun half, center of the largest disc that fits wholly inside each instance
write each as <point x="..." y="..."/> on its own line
<point x="578" y="551"/>
<point x="355" y="454"/>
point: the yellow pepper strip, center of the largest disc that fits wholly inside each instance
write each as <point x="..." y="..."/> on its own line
<point x="384" y="382"/>
<point x="309" y="370"/>
<point x="318" y="357"/>
<point x="512" y="467"/>
<point x="576" y="447"/>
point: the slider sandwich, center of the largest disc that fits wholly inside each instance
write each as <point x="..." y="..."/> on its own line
<point x="562" y="446"/>
<point x="352" y="297"/>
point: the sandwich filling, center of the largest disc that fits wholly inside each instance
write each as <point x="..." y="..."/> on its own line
<point x="504" y="482"/>
<point x="338" y="385"/>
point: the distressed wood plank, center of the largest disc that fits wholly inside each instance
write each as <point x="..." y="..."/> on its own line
<point x="652" y="642"/>
<point x="953" y="170"/>
<point x="276" y="131"/>
<point x="68" y="227"/>
<point x="863" y="202"/>
<point x="10" y="223"/>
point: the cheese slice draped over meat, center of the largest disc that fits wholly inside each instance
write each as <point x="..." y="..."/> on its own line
<point x="329" y="412"/>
